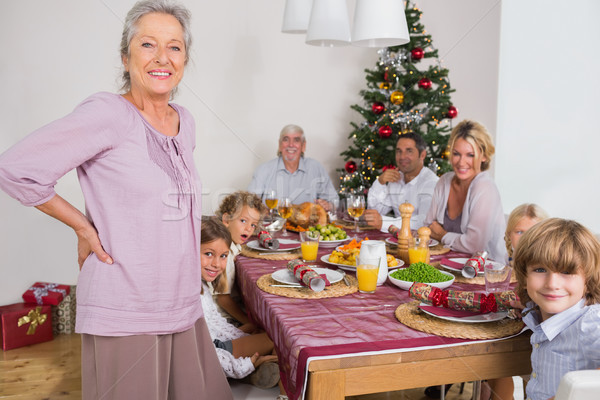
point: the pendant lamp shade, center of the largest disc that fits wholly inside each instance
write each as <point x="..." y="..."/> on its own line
<point x="379" y="23"/>
<point x="296" y="16"/>
<point x="329" y="25"/>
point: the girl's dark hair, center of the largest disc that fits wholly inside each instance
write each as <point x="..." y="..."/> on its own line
<point x="213" y="229"/>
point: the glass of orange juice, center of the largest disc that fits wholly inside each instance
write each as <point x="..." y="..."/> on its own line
<point x="417" y="253"/>
<point x="366" y="273"/>
<point x="309" y="245"/>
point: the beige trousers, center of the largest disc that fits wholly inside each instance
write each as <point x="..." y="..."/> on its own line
<point x="177" y="366"/>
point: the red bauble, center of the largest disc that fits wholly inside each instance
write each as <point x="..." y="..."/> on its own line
<point x="385" y="131"/>
<point x="350" y="167"/>
<point x="378" y="107"/>
<point x="417" y="53"/>
<point x="385" y="76"/>
<point x="452" y="112"/>
<point x="425" y="83"/>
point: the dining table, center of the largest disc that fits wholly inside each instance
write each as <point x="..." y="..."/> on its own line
<point x="354" y="344"/>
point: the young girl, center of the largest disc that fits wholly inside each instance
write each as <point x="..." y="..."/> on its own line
<point x="557" y="264"/>
<point x="240" y="212"/>
<point x="239" y="353"/>
<point x="519" y="221"/>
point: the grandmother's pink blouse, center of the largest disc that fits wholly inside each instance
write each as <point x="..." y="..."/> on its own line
<point x="142" y="194"/>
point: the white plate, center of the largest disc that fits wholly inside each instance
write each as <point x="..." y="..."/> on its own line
<point x="352" y="268"/>
<point x="287" y="277"/>
<point x="462" y="260"/>
<point x="332" y="243"/>
<point x="254" y="245"/>
<point x="392" y="241"/>
<point x="489" y="317"/>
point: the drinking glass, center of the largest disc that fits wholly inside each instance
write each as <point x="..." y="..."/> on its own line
<point x="309" y="245"/>
<point x="497" y="277"/>
<point x="285" y="211"/>
<point x="355" y="204"/>
<point x="366" y="273"/>
<point x="271" y="202"/>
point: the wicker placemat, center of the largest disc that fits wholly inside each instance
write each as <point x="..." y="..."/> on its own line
<point x="410" y="315"/>
<point x="338" y="289"/>
<point x="284" y="255"/>
<point x="478" y="280"/>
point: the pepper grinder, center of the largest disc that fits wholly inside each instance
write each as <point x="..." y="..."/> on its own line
<point x="424" y="234"/>
<point x="405" y="235"/>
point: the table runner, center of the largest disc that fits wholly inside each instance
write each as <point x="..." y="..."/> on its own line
<point x="303" y="328"/>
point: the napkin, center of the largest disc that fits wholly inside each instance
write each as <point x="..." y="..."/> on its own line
<point x="448" y="312"/>
<point x="307" y="276"/>
<point x="266" y="240"/>
<point x="283" y="246"/>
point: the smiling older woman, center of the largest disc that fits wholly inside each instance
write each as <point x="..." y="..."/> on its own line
<point x="138" y="306"/>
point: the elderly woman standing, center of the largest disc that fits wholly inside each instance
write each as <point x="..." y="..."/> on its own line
<point x="466" y="210"/>
<point x="138" y="310"/>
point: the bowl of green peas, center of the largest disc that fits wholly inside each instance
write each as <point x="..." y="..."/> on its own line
<point x="423" y="273"/>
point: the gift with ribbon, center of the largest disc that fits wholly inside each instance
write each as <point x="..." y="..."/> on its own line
<point x="46" y="293"/>
<point x="307" y="276"/>
<point x="24" y="324"/>
<point x="63" y="315"/>
<point x="462" y="300"/>
<point x="267" y="241"/>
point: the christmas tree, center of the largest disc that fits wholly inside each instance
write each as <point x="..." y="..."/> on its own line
<point x="407" y="91"/>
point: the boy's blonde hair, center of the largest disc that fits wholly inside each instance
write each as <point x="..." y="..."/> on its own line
<point x="528" y="210"/>
<point x="232" y="204"/>
<point x="559" y="245"/>
<point x="213" y="229"/>
<point x="477" y="136"/>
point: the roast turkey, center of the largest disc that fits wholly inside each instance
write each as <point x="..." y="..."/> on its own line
<point x="308" y="214"/>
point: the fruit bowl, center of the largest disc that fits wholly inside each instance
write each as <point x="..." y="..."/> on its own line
<point x="405" y="285"/>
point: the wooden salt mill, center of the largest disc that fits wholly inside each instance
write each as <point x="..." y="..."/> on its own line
<point x="405" y="236"/>
<point x="424" y="234"/>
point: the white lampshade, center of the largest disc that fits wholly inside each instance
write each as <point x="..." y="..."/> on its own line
<point x="329" y="24"/>
<point x="296" y="16"/>
<point x="379" y="23"/>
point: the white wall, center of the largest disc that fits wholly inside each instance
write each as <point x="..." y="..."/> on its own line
<point x="246" y="81"/>
<point x="548" y="136"/>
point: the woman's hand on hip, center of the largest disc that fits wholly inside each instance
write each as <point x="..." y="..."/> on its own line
<point x="88" y="242"/>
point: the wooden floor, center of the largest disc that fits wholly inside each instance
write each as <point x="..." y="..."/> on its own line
<point x="52" y="371"/>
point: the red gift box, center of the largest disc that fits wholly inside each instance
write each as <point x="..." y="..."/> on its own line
<point x="46" y="293"/>
<point x="24" y="324"/>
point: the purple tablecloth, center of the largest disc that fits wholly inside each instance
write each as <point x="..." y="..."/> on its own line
<point x="302" y="328"/>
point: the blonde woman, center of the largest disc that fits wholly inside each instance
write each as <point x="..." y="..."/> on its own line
<point x="466" y="210"/>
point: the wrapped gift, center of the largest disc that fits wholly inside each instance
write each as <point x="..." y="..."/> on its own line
<point x="24" y="324"/>
<point x="462" y="300"/>
<point x="46" y="293"/>
<point x="63" y="315"/>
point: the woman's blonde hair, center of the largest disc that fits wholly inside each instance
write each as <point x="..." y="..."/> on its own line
<point x="477" y="136"/>
<point x="527" y="210"/>
<point x="213" y="229"/>
<point x="563" y="246"/>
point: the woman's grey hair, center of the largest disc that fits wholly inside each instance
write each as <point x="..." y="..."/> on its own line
<point x="142" y="8"/>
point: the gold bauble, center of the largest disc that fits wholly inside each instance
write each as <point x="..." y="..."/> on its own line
<point x="397" y="98"/>
<point x="385" y="85"/>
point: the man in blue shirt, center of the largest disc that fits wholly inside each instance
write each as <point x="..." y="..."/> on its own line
<point x="292" y="175"/>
